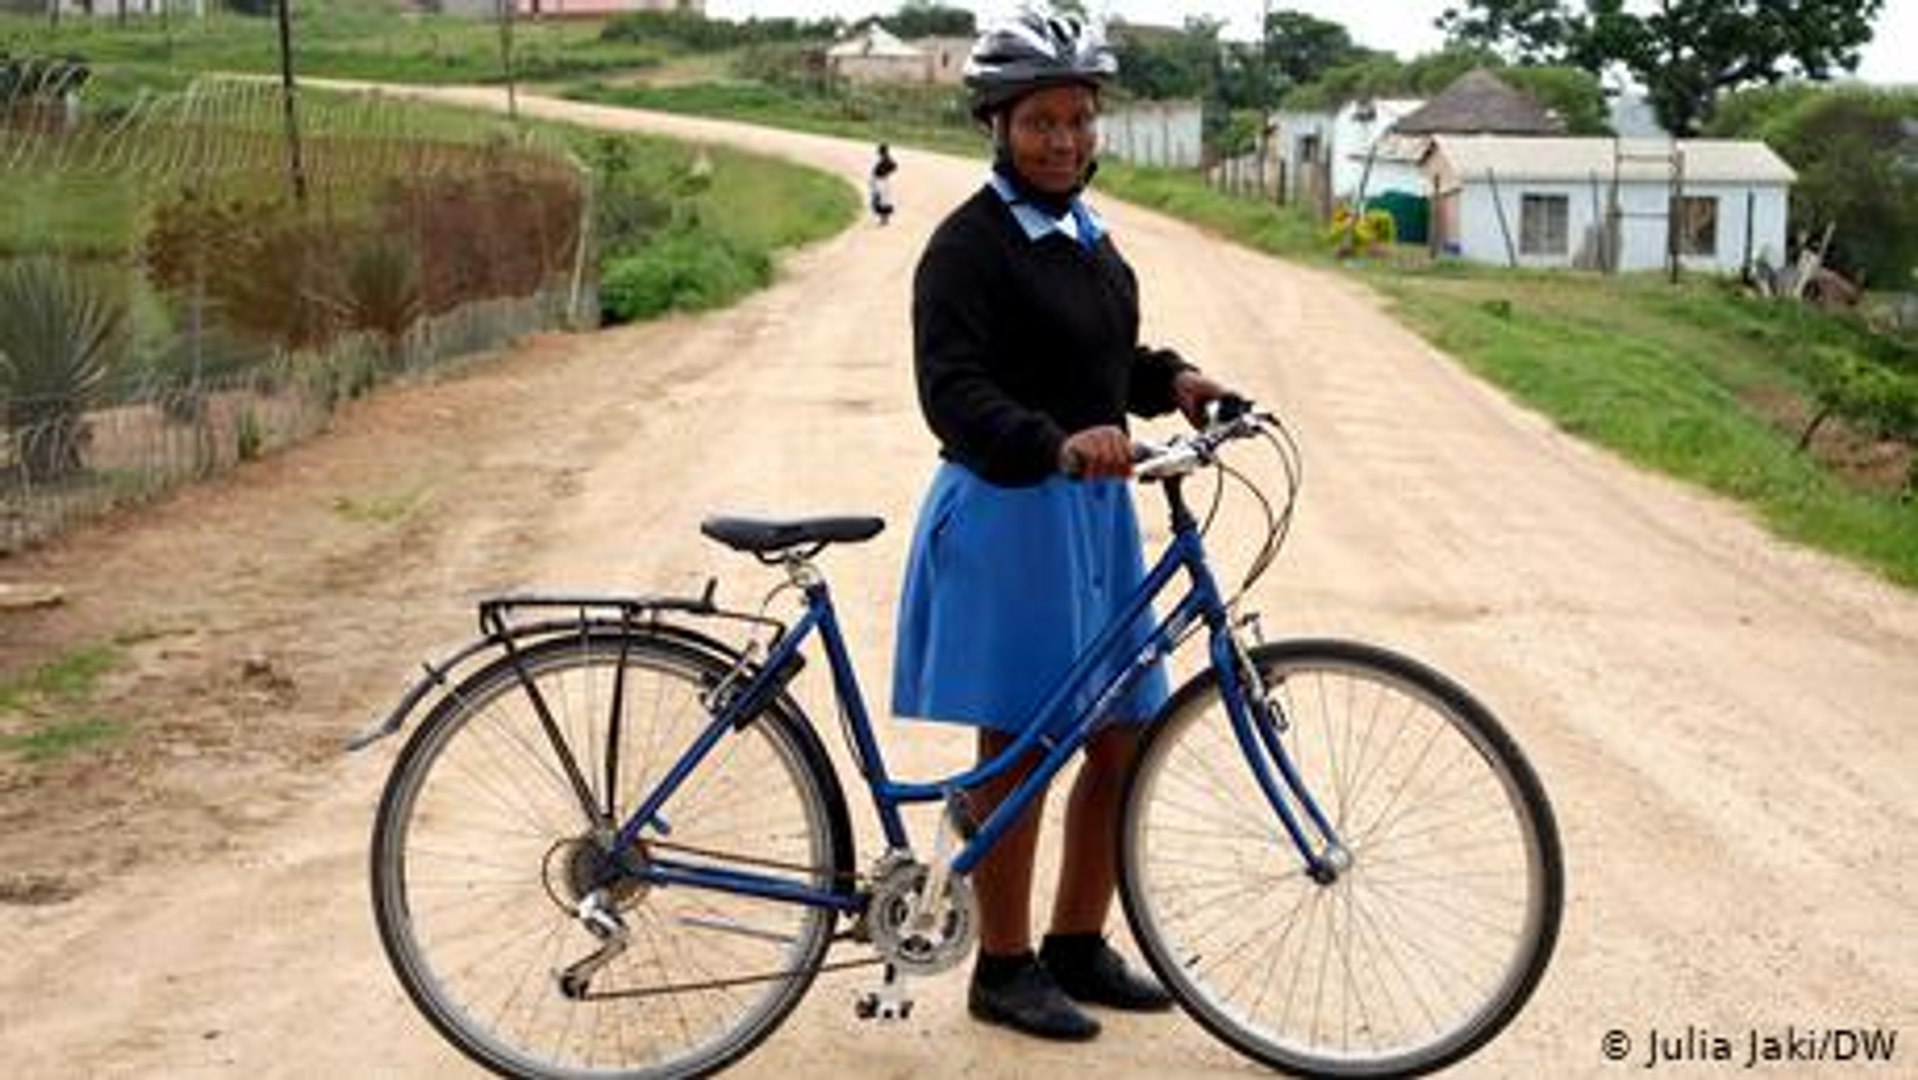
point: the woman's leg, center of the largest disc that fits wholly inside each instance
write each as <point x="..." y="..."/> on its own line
<point x="1002" y="881"/>
<point x="1088" y="870"/>
<point x="1009" y="985"/>
<point x="1075" y="952"/>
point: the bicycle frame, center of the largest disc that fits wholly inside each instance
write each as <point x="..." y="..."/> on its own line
<point x="1053" y="725"/>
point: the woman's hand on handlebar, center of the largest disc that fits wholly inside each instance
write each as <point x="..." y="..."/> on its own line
<point x="1097" y="453"/>
<point x="1193" y="392"/>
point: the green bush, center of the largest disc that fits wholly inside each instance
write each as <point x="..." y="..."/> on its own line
<point x="700" y="34"/>
<point x="1854" y="150"/>
<point x="1869" y="395"/>
<point x="1366" y="233"/>
<point x="683" y="271"/>
<point x="382" y="286"/>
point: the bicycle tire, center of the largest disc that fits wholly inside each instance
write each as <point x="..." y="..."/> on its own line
<point x="1420" y="951"/>
<point x="478" y="828"/>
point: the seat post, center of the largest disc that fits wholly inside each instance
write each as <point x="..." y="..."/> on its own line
<point x="801" y="572"/>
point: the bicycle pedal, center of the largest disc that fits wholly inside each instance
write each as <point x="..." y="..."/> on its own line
<point x="887" y="1004"/>
<point x="872" y="1006"/>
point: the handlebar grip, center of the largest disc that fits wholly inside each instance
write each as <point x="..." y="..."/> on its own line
<point x="1227" y="408"/>
<point x="1074" y="468"/>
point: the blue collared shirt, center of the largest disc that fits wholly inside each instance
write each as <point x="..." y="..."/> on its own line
<point x="1081" y="224"/>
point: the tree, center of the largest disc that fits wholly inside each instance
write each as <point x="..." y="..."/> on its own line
<point x="1303" y="47"/>
<point x="1687" y="53"/>
<point x="1374" y="75"/>
<point x="1572" y="93"/>
<point x="1164" y="65"/>
<point x="1857" y="166"/>
<point x="1529" y="31"/>
<point x="929" y="18"/>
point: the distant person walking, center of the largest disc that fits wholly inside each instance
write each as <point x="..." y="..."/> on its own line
<point x="879" y="185"/>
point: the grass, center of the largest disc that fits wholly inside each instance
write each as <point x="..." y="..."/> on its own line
<point x="61" y="739"/>
<point x="349" y="39"/>
<point x="717" y="218"/>
<point x="55" y="198"/>
<point x="769" y="204"/>
<point x="901" y="120"/>
<point x="1674" y="379"/>
<point x="1670" y="378"/>
<point x="90" y="217"/>
<point x="1697" y="380"/>
<point x="1278" y="230"/>
<point x="68" y="679"/>
<point x="53" y="702"/>
<point x="387" y="510"/>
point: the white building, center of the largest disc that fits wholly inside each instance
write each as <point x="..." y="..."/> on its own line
<point x="874" y="54"/>
<point x="1323" y="158"/>
<point x="1365" y="151"/>
<point x="1621" y="204"/>
<point x="1163" y="134"/>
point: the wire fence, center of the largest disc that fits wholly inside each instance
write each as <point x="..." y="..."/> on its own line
<point x="196" y="279"/>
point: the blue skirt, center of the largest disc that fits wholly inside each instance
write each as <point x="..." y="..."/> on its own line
<point x="1005" y="587"/>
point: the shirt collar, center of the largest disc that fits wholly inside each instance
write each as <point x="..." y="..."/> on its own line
<point x="1081" y="224"/>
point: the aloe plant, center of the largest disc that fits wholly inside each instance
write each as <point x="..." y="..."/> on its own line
<point x="382" y="285"/>
<point x="58" y="331"/>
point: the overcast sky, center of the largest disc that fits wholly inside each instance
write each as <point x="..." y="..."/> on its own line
<point x="1400" y="26"/>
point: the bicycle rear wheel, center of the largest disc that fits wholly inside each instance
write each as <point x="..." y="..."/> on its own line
<point x="1423" y="948"/>
<point x="482" y="849"/>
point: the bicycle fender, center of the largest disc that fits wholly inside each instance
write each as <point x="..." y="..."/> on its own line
<point x="434" y="679"/>
<point x="438" y="676"/>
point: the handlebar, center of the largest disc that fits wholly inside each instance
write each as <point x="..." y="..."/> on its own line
<point x="1227" y="418"/>
<point x="1230" y="417"/>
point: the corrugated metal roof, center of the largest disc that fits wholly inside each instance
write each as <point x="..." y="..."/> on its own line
<point x="1705" y="160"/>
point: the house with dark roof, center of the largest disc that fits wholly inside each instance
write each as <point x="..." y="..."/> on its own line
<point x="1480" y="103"/>
<point x="1371" y="149"/>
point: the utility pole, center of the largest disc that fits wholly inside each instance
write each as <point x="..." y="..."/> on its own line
<point x="1265" y="84"/>
<point x="289" y="107"/>
<point x="506" y="8"/>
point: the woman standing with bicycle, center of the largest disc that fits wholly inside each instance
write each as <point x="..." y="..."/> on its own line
<point x="1025" y="324"/>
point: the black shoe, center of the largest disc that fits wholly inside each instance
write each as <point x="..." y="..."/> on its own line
<point x="1089" y="970"/>
<point x="1026" y="999"/>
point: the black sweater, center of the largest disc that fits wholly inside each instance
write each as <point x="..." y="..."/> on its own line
<point x="1019" y="343"/>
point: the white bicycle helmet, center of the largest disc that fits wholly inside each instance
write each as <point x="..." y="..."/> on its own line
<point x="1033" y="50"/>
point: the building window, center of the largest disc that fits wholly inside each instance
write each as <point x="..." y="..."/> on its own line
<point x="1696" y="220"/>
<point x="1544" y="225"/>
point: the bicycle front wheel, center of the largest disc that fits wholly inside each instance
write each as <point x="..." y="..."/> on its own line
<point x="484" y="846"/>
<point x="1423" y="947"/>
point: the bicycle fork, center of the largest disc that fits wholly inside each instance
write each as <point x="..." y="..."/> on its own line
<point x="1258" y="722"/>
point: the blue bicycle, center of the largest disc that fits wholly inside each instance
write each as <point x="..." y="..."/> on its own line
<point x="616" y="847"/>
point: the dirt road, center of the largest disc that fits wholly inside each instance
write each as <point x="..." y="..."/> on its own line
<point x="1729" y="726"/>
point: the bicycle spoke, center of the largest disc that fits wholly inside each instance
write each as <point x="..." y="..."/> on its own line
<point x="1411" y="954"/>
<point x="484" y="852"/>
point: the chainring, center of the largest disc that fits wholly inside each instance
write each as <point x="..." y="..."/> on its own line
<point x="914" y="950"/>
